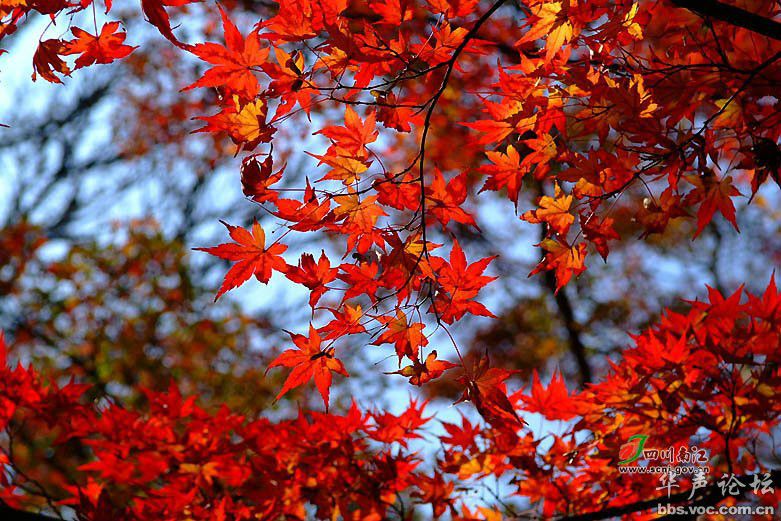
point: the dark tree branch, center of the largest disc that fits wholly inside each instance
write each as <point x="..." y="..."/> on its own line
<point x="571" y="325"/>
<point x="450" y="66"/>
<point x="733" y="15"/>
<point x="9" y="513"/>
<point x="43" y="130"/>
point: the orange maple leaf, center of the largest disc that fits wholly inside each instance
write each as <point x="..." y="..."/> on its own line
<point x="103" y="48"/>
<point x="289" y="82"/>
<point x="344" y="168"/>
<point x="420" y="373"/>
<point x="363" y="214"/>
<point x="359" y="217"/>
<point x="251" y="257"/>
<point x="551" y="21"/>
<point x="233" y="63"/>
<point x="302" y="19"/>
<point x="355" y="134"/>
<point x="566" y="260"/>
<point x="245" y="124"/>
<point x="554" y="211"/>
<point x="437" y="492"/>
<point x="505" y="172"/>
<point x="543" y="151"/>
<point x="493" y="131"/>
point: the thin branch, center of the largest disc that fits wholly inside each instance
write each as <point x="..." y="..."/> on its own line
<point x="433" y="103"/>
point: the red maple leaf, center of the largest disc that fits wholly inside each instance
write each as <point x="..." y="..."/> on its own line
<point x="598" y="232"/>
<point x="313" y="275"/>
<point x="256" y="177"/>
<point x="346" y="322"/>
<point x="444" y="200"/>
<point x="461" y="283"/>
<point x="402" y="194"/>
<point x="355" y="134"/>
<point x="715" y="195"/>
<point x="308" y="362"/>
<point x="553" y="402"/>
<point x="309" y="214"/>
<point x="486" y="390"/>
<point x="399" y="428"/>
<point x="361" y="278"/>
<point x="156" y="15"/>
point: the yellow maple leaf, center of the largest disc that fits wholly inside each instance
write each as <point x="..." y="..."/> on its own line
<point x="248" y="122"/>
<point x="554" y="211"/>
<point x="363" y="214"/>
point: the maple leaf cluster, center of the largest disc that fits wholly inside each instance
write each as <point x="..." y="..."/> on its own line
<point x="172" y="459"/>
<point x="702" y="378"/>
<point x="104" y="47"/>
